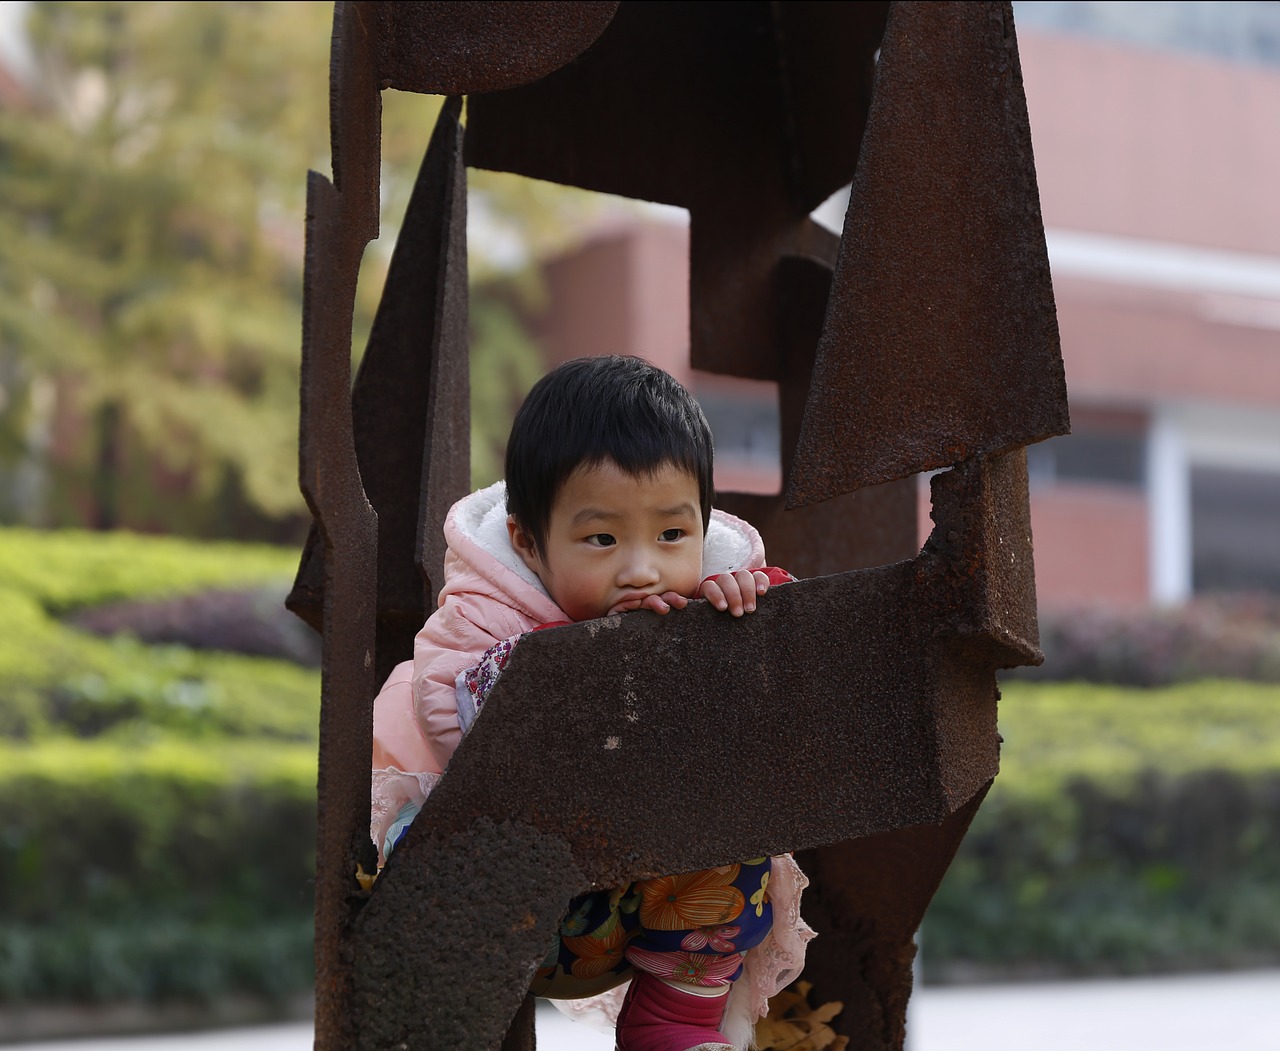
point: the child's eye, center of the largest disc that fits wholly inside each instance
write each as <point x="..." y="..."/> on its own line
<point x="601" y="540"/>
<point x="671" y="535"/>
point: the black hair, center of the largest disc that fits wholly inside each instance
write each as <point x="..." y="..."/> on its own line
<point x="594" y="409"/>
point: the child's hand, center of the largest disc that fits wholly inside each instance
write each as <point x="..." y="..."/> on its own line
<point x="665" y="602"/>
<point x="735" y="592"/>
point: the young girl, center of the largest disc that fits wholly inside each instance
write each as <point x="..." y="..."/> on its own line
<point x="606" y="509"/>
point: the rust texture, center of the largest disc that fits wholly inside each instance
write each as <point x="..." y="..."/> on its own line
<point x="723" y="111"/>
<point x="936" y="354"/>
<point x="411" y="394"/>
<point x="924" y="337"/>
<point x="341" y="219"/>
<point x="444" y="48"/>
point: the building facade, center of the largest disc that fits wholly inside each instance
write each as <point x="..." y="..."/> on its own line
<point x="1158" y="175"/>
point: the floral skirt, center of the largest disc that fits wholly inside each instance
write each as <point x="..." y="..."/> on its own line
<point x="694" y="928"/>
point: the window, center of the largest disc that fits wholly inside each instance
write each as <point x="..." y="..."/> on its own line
<point x="1235" y="530"/>
<point x="746" y="428"/>
<point x="1093" y="454"/>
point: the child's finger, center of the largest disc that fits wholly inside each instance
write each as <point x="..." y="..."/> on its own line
<point x="762" y="582"/>
<point x="665" y="602"/>
<point x="746" y="582"/>
<point x="731" y="585"/>
<point x="713" y="593"/>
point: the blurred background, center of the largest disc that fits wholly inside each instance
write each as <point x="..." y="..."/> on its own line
<point x="158" y="707"/>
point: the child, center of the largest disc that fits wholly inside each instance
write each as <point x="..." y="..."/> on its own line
<point x="606" y="509"/>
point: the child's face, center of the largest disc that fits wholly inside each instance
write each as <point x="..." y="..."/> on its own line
<point x="615" y="539"/>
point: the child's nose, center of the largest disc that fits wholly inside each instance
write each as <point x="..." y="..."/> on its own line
<point x="638" y="570"/>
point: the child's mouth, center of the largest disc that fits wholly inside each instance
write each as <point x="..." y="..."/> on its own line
<point x="628" y="602"/>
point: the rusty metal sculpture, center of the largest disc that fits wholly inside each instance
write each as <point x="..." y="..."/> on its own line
<point x="923" y="338"/>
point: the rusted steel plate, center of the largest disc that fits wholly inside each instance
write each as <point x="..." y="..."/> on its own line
<point x="867" y="896"/>
<point x="351" y="220"/>
<point x="411" y="392"/>
<point x="446" y="454"/>
<point x="726" y="125"/>
<point x="870" y="742"/>
<point x="341" y="218"/>
<point x="355" y="120"/>
<point x="827" y="57"/>
<point x="941" y="340"/>
<point x="871" y="527"/>
<point x="411" y="396"/>
<point x="347" y="528"/>
<point x="442" y="48"/>
<point x="854" y="531"/>
<point x="984" y="572"/>
<point x="816" y="672"/>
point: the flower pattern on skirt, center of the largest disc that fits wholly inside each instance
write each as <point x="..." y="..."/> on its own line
<point x="690" y="968"/>
<point x="761" y="897"/>
<point x="717" y="937"/>
<point x="694" y="899"/>
<point x="597" y="952"/>
<point x="609" y="934"/>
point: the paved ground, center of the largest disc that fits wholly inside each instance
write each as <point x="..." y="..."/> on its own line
<point x="1239" y="1012"/>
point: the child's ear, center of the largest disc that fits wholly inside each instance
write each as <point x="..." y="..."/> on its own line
<point x="523" y="544"/>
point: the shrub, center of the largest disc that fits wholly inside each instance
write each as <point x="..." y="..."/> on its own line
<point x="251" y="621"/>
<point x="101" y="830"/>
<point x="133" y="692"/>
<point x="157" y="804"/>
<point x="56" y="681"/>
<point x="155" y="958"/>
<point x="1235" y="637"/>
<point x="1128" y="831"/>
<point x="176" y="870"/>
<point x="68" y="569"/>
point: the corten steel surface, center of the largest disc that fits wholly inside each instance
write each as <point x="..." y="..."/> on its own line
<point x="462" y="48"/>
<point x="411" y="394"/>
<point x="941" y="340"/>
<point x="341" y="219"/>
<point x="872" y="685"/>
<point x="748" y="114"/>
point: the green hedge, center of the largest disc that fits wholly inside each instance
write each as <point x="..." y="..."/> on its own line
<point x="100" y="829"/>
<point x="171" y="870"/>
<point x="1128" y="831"/>
<point x="1083" y="859"/>
<point x="157" y="805"/>
<point x="155" y="959"/>
<point x="67" y="569"/>
<point x="55" y="679"/>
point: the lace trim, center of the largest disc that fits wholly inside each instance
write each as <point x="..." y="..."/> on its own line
<point x="600" y="1012"/>
<point x="778" y="960"/>
<point x="391" y="790"/>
